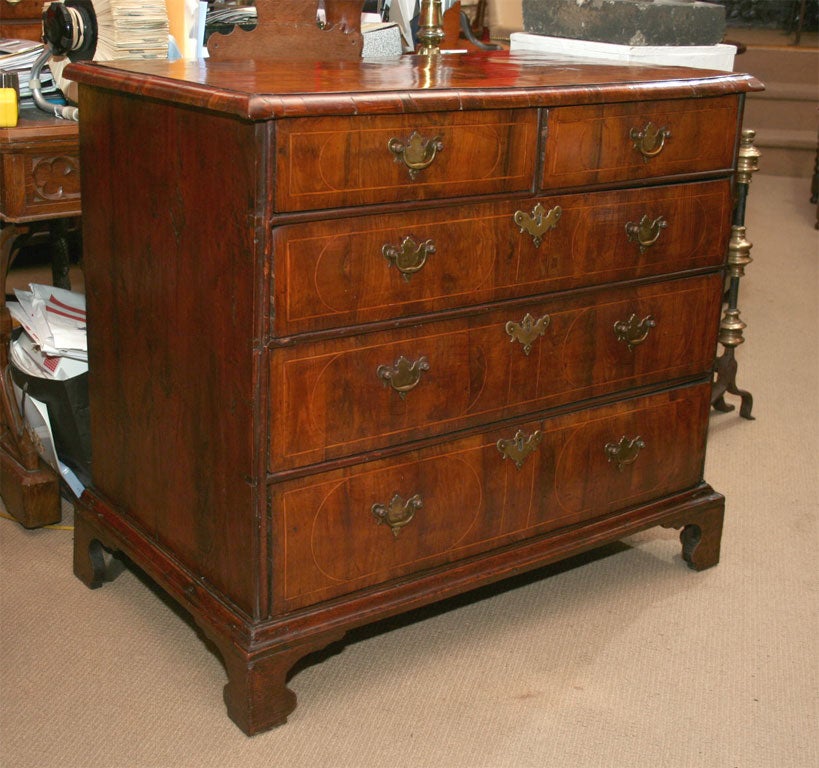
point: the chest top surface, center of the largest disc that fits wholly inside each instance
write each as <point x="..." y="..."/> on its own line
<point x="265" y="89"/>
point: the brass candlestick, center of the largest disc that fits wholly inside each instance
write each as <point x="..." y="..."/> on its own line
<point x="739" y="257"/>
<point x="430" y="27"/>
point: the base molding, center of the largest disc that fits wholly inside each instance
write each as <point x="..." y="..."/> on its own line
<point x="259" y="653"/>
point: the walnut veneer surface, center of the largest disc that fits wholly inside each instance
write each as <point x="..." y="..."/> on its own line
<point x="367" y="334"/>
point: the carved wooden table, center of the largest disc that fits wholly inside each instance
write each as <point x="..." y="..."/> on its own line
<point x="368" y="334"/>
<point x="39" y="186"/>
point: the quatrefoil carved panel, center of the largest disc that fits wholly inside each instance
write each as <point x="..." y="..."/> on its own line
<point x="56" y="178"/>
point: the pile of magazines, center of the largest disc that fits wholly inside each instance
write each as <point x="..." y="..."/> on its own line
<point x="49" y="366"/>
<point x="18" y="56"/>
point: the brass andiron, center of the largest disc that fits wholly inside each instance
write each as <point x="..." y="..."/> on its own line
<point x="731" y="327"/>
<point x="430" y="27"/>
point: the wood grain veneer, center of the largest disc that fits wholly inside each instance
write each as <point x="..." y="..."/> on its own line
<point x="249" y="452"/>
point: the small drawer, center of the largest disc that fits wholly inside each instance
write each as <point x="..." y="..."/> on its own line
<point x="21" y="9"/>
<point x="352" y="528"/>
<point x="334" y="162"/>
<point x="23" y="29"/>
<point x="369" y="268"/>
<point x="343" y="396"/>
<point x="631" y="141"/>
<point x="40" y="185"/>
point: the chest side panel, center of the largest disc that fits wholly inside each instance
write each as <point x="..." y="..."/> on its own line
<point x="172" y="322"/>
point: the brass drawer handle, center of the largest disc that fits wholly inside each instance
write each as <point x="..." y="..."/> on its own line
<point x="520" y="446"/>
<point x="398" y="512"/>
<point x="645" y="232"/>
<point x="404" y="375"/>
<point x="417" y="153"/>
<point x="528" y="330"/>
<point x="538" y="222"/>
<point x="624" y="451"/>
<point x="634" y="332"/>
<point x="409" y="257"/>
<point x="650" y="141"/>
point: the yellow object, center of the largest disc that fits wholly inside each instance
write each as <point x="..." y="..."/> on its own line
<point x="8" y="107"/>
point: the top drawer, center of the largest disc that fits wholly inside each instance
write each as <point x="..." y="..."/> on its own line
<point x="640" y="140"/>
<point x="338" y="161"/>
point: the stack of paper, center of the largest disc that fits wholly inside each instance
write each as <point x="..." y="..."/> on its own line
<point x="18" y="56"/>
<point x="720" y="57"/>
<point x="232" y="14"/>
<point x="131" y="29"/>
<point x="53" y="348"/>
<point x="35" y="414"/>
<point x="55" y="343"/>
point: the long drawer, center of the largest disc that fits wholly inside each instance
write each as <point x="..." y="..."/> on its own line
<point x="638" y="140"/>
<point x="332" y="162"/>
<point x="356" y="270"/>
<point x="342" y="396"/>
<point x="352" y="528"/>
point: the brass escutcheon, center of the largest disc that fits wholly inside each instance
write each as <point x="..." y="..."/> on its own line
<point x="538" y="222"/>
<point x="520" y="446"/>
<point x="633" y="331"/>
<point x="417" y="153"/>
<point x="645" y="232"/>
<point x="528" y="330"/>
<point x="650" y="141"/>
<point x="624" y="451"/>
<point x="398" y="512"/>
<point x="409" y="257"/>
<point x="404" y="375"/>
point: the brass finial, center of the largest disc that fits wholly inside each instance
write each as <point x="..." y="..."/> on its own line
<point x="430" y="27"/>
<point x="748" y="157"/>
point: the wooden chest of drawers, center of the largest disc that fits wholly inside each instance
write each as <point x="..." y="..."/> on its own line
<point x="364" y="336"/>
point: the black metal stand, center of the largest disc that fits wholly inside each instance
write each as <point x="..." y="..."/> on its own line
<point x="739" y="248"/>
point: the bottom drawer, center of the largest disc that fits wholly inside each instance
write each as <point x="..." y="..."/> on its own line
<point x="354" y="527"/>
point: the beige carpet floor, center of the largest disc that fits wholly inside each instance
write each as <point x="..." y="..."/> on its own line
<point x="625" y="658"/>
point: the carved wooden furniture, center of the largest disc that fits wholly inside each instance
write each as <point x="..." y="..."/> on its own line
<point x="365" y="335"/>
<point x="21" y="19"/>
<point x="39" y="186"/>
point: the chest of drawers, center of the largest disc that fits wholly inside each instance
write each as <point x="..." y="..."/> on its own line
<point x="367" y="335"/>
